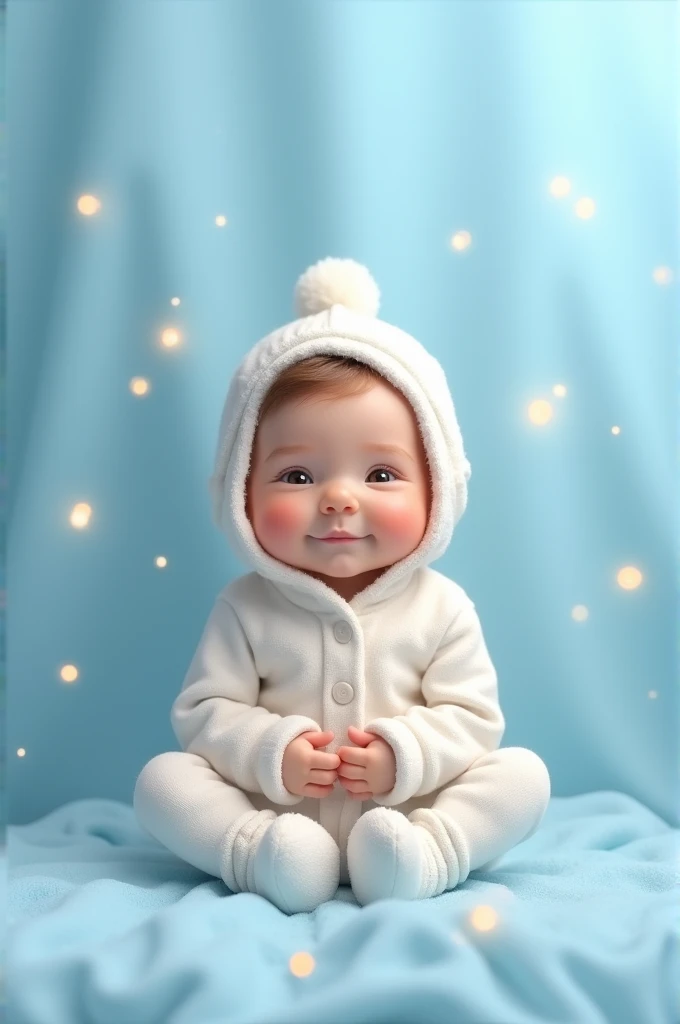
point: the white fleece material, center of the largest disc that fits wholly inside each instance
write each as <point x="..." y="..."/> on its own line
<point x="265" y="670"/>
<point x="408" y="650"/>
<point x="282" y="654"/>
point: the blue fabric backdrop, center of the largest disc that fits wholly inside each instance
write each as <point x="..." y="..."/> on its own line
<point x="381" y="132"/>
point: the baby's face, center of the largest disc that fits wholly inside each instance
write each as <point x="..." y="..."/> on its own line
<point x="340" y="480"/>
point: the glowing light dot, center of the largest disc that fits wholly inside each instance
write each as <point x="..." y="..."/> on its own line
<point x="161" y="561"/>
<point x="221" y="221"/>
<point x="579" y="613"/>
<point x="560" y="187"/>
<point x="616" y="430"/>
<point x="88" y="205"/>
<point x="139" y="386"/>
<point x="662" y="275"/>
<point x="461" y="240"/>
<point x="170" y="337"/>
<point x="21" y="752"/>
<point x="585" y="208"/>
<point x="484" y="918"/>
<point x="69" y="673"/>
<point x="540" y="412"/>
<point x="301" y="964"/>
<point x="629" y="578"/>
<point x="559" y="390"/>
<point x="80" y="515"/>
<point x="652" y="694"/>
<point x="174" y="301"/>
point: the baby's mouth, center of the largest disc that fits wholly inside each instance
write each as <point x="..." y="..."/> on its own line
<point x="338" y="540"/>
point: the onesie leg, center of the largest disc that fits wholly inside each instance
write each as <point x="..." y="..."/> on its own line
<point x="499" y="801"/>
<point x="191" y="809"/>
<point x="187" y="806"/>
<point x="496" y="804"/>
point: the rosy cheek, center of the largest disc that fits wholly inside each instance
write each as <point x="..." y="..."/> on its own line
<point x="400" y="522"/>
<point x="281" y="518"/>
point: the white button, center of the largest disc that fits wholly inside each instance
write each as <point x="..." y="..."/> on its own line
<point x="343" y="693"/>
<point x="342" y="631"/>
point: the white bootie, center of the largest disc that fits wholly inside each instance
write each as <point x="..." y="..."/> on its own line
<point x="389" y="857"/>
<point x="289" y="859"/>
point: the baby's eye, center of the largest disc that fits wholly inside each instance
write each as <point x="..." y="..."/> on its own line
<point x="303" y="472"/>
<point x="382" y="469"/>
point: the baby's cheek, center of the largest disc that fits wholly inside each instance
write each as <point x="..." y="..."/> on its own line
<point x="401" y="521"/>
<point x="281" y="518"/>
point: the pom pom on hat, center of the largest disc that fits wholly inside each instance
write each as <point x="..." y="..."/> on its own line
<point x="333" y="282"/>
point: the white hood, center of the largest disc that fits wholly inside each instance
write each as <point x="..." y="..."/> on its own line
<point x="326" y="292"/>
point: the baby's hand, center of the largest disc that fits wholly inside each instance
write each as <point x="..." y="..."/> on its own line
<point x="369" y="768"/>
<point x="307" y="771"/>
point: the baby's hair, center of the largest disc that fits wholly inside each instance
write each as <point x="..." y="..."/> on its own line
<point x="318" y="379"/>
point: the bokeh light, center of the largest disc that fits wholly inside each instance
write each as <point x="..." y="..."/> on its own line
<point x="629" y="578"/>
<point x="301" y="964"/>
<point x="139" y="386"/>
<point x="540" y="412"/>
<point x="560" y="187"/>
<point x="80" y="515"/>
<point x="484" y="918"/>
<point x="585" y="208"/>
<point x="88" y="205"/>
<point x="461" y="240"/>
<point x="170" y="338"/>
<point x="662" y="275"/>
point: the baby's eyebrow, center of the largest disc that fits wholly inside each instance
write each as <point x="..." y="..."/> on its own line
<point x="289" y="449"/>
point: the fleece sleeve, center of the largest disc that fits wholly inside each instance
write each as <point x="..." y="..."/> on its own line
<point x="216" y="713"/>
<point x="461" y="718"/>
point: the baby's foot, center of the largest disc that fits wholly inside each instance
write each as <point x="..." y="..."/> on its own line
<point x="390" y="857"/>
<point x="289" y="859"/>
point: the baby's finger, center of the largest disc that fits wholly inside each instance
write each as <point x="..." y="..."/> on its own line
<point x="353" y="755"/>
<point x="317" y="791"/>
<point x="351" y="771"/>
<point x="322" y="778"/>
<point x="326" y="761"/>
<point x="353" y="787"/>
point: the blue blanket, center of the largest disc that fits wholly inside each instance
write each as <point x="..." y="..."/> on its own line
<point x="577" y="925"/>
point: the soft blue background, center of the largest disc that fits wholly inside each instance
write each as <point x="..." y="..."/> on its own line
<point x="371" y="130"/>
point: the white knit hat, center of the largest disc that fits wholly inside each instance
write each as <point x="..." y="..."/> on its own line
<point x="337" y="301"/>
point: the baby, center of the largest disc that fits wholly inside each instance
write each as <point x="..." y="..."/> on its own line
<point x="343" y="676"/>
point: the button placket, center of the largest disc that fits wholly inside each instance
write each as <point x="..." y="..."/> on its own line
<point x="342" y="702"/>
<point x="342" y="692"/>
